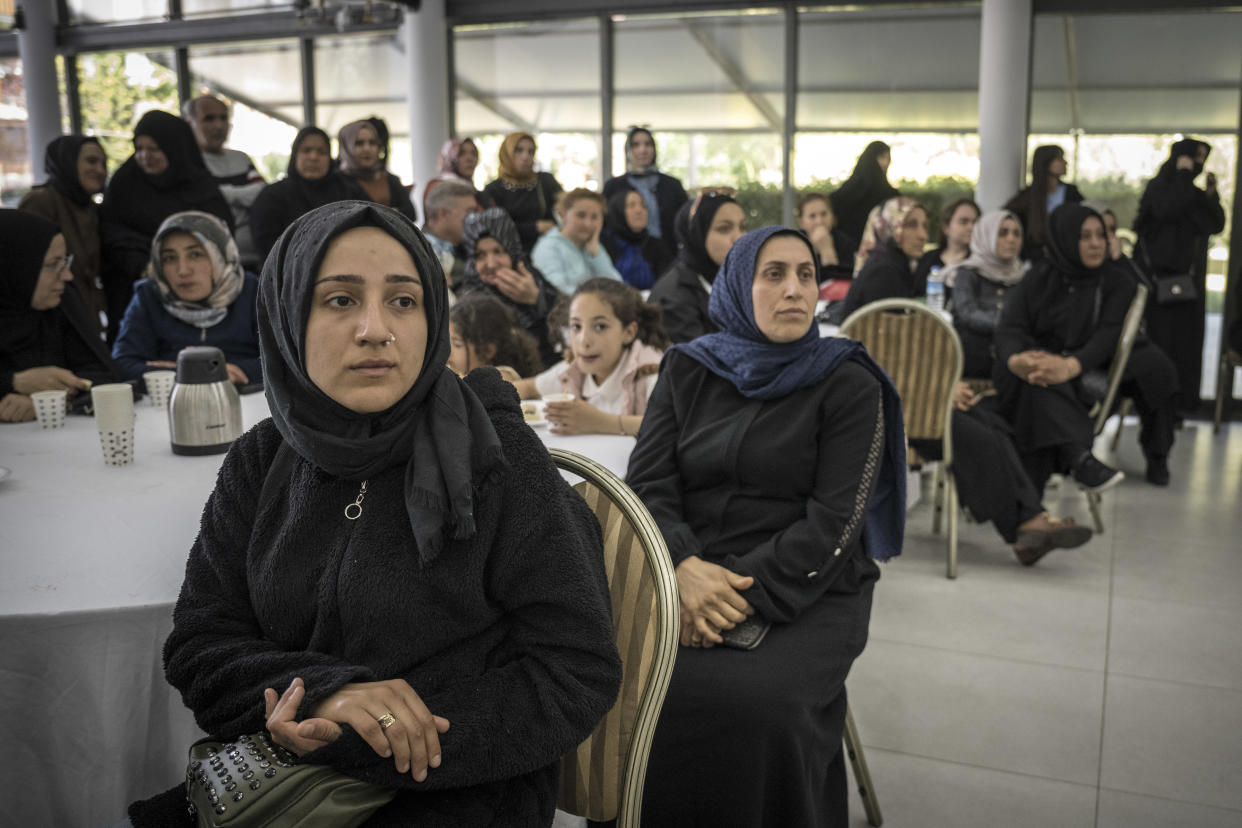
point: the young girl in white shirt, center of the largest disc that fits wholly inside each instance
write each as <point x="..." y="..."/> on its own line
<point x="614" y="344"/>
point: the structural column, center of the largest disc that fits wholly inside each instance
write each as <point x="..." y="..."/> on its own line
<point x="1004" y="99"/>
<point x="36" y="44"/>
<point x="423" y="35"/>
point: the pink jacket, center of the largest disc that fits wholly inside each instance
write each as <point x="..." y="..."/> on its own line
<point x="639" y="361"/>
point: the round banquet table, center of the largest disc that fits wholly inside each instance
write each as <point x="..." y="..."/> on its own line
<point x="91" y="560"/>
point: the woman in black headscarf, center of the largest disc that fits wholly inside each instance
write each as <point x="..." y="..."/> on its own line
<point x="497" y="265"/>
<point x="391" y="576"/>
<point x="773" y="461"/>
<point x="76" y="170"/>
<point x="662" y="193"/>
<point x="1061" y="320"/>
<point x="867" y="187"/>
<point x="48" y="341"/>
<point x="1175" y="219"/>
<point x="638" y="257"/>
<point x="312" y="181"/>
<point x="1035" y="203"/>
<point x="165" y="175"/>
<point x="706" y="230"/>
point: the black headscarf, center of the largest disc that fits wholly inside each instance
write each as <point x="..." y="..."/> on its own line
<point x="692" y="233"/>
<point x="310" y="193"/>
<point x="60" y="162"/>
<point x="1064" y="232"/>
<point x="1190" y="148"/>
<point x="142" y="201"/>
<point x="30" y="337"/>
<point x="866" y="187"/>
<point x="615" y="223"/>
<point x="439" y="430"/>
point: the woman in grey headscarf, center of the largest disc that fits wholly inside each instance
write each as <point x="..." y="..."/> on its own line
<point x="979" y="283"/>
<point x="497" y="265"/>
<point x="194" y="292"/>
<point x="391" y="576"/>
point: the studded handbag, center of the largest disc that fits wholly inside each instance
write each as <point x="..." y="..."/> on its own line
<point x="254" y="782"/>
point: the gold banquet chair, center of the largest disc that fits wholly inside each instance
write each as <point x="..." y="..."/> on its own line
<point x="923" y="356"/>
<point x="603" y="778"/>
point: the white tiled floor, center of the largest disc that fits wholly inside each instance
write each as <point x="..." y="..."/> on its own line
<point x="1102" y="687"/>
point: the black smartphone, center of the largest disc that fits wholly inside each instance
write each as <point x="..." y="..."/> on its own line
<point x="746" y="635"/>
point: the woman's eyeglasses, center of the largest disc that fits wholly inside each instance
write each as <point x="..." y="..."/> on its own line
<point x="59" y="265"/>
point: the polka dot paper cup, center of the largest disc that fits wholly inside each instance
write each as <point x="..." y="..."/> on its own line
<point x="118" y="446"/>
<point x="50" y="408"/>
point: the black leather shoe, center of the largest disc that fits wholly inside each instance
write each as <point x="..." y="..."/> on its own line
<point x="1094" y="476"/>
<point x="1158" y="470"/>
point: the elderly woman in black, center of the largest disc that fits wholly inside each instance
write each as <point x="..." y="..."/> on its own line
<point x="1061" y="320"/>
<point x="707" y="228"/>
<point x="764" y="453"/>
<point x="391" y="577"/>
<point x="497" y="266"/>
<point x="48" y="340"/>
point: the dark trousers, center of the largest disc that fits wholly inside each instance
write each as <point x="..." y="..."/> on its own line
<point x="1050" y="425"/>
<point x="991" y="480"/>
<point x="1150" y="379"/>
<point x="1178" y="331"/>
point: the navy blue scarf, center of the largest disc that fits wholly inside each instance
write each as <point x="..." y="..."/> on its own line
<point x="764" y="370"/>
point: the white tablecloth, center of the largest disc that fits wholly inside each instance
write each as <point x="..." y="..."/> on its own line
<point x="91" y="561"/>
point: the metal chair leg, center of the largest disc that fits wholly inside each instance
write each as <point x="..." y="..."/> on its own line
<point x="952" y="507"/>
<point x="937" y="497"/>
<point x="1122" y="410"/>
<point x="1093" y="503"/>
<point x="1224" y="377"/>
<point x="853" y="749"/>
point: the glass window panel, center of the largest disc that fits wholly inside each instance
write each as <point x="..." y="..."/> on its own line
<point x="116" y="89"/>
<point x="897" y="111"/>
<point x="15" y="170"/>
<point x="829" y="157"/>
<point x="361" y="77"/>
<point x="263" y="81"/>
<point x="8" y="9"/>
<point x="572" y="157"/>
<point x="113" y="11"/>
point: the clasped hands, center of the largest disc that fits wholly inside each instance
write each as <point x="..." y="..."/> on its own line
<point x="412" y="740"/>
<point x="711" y="601"/>
<point x="1043" y="369"/>
<point x="515" y="283"/>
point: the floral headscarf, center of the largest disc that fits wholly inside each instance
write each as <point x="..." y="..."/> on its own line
<point x="227" y="276"/>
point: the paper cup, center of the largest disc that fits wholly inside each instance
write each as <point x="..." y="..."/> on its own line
<point x="117" y="446"/>
<point x="159" y="386"/>
<point x="114" y="406"/>
<point x="558" y="397"/>
<point x="50" y="408"/>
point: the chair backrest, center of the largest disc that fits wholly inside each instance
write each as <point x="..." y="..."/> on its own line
<point x="922" y="355"/>
<point x="1125" y="344"/>
<point x="603" y="778"/>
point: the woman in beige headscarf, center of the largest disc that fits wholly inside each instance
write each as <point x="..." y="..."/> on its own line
<point x="527" y="196"/>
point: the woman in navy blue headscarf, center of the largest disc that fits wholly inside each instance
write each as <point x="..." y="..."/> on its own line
<point x="774" y="463"/>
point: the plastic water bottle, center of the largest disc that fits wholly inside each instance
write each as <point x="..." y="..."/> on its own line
<point x="935" y="290"/>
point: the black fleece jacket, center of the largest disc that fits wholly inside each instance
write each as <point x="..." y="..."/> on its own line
<point x="506" y="634"/>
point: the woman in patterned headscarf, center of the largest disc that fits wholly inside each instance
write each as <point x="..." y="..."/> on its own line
<point x="899" y="229"/>
<point x="195" y="293"/>
<point x="361" y="157"/>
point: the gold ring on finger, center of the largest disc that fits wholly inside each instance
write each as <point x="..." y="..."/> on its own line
<point x="386" y="721"/>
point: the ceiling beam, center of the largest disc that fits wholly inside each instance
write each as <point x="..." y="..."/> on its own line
<point x="493" y="105"/>
<point x="735" y="74"/>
